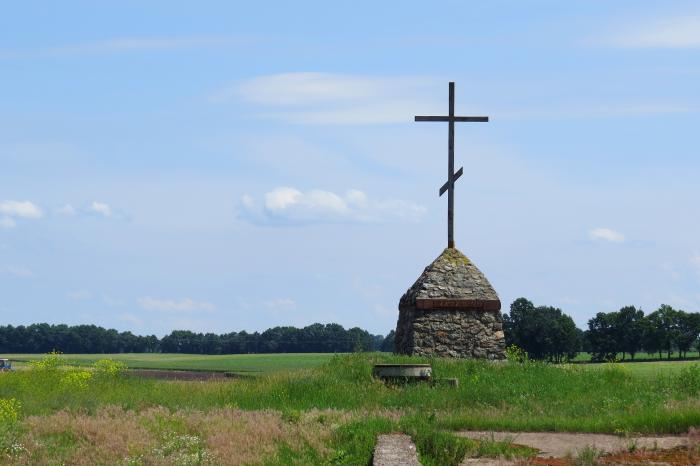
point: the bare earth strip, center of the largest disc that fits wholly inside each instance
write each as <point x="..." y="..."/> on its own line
<point x="559" y="444"/>
<point x="395" y="450"/>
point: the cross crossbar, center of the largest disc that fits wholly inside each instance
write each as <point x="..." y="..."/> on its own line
<point x="452" y="176"/>
<point x="479" y="119"/>
<point x="447" y="183"/>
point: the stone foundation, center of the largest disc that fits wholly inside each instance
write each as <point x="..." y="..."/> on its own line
<point x="459" y="333"/>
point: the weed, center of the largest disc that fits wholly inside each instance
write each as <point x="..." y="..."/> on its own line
<point x="516" y="354"/>
<point x="587" y="456"/>
<point x="9" y="411"/>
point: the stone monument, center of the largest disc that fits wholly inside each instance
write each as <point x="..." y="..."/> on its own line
<point x="452" y="309"/>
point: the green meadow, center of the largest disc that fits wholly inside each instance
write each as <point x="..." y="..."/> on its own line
<point x="238" y="363"/>
<point x="257" y="364"/>
<point x="329" y="413"/>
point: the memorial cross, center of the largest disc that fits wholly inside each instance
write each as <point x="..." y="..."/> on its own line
<point x="451" y="175"/>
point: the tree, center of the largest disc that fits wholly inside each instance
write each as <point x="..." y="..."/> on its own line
<point x="388" y="343"/>
<point x="602" y="336"/>
<point x="687" y="327"/>
<point x="667" y="319"/>
<point x="544" y="332"/>
<point x="629" y="330"/>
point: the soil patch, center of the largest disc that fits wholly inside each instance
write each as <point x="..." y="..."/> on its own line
<point x="178" y="375"/>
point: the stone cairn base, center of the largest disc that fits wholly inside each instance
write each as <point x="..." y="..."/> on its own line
<point x="450" y="333"/>
<point x="451" y="311"/>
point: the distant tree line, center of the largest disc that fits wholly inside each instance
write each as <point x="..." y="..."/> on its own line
<point x="316" y="338"/>
<point x="628" y="331"/>
<point x="543" y="332"/>
<point x="546" y="333"/>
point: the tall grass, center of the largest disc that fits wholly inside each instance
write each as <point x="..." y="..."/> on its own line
<point x="508" y="396"/>
<point x="529" y="396"/>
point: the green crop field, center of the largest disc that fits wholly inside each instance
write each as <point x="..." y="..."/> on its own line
<point x="238" y="363"/>
<point x="327" y="413"/>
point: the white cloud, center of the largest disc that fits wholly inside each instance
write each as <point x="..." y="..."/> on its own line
<point x="7" y="222"/>
<point x="680" y="32"/>
<point x="606" y="234"/>
<point x="281" y="304"/>
<point x="184" y="305"/>
<point x="101" y="208"/>
<point x="23" y="209"/>
<point x="324" y="98"/>
<point x="290" y="205"/>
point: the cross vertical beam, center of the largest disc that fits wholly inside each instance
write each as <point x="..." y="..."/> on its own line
<point x="451" y="170"/>
<point x="451" y="175"/>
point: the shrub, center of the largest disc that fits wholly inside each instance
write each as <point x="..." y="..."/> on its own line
<point x="76" y="379"/>
<point x="50" y="362"/>
<point x="9" y="411"/>
<point x="109" y="368"/>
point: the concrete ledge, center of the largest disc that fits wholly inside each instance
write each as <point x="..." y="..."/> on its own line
<point x="395" y="450"/>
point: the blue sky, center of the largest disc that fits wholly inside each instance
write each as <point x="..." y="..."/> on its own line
<point x="222" y="166"/>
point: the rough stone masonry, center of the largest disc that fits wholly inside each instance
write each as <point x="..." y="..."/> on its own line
<point x="451" y="311"/>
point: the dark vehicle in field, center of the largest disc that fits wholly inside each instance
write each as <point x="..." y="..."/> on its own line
<point x="5" y="365"/>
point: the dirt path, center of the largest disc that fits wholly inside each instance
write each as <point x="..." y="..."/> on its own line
<point x="559" y="445"/>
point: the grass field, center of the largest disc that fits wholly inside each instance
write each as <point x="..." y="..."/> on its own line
<point x="256" y="364"/>
<point x="238" y="363"/>
<point x="641" y="357"/>
<point x="329" y="414"/>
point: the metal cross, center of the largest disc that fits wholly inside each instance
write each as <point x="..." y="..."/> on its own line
<point x="449" y="185"/>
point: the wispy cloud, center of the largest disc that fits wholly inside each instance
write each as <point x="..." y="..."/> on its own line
<point x="7" y="222"/>
<point x="79" y="295"/>
<point x="586" y="110"/>
<point x="15" y="271"/>
<point x="695" y="260"/>
<point x="92" y="208"/>
<point x="100" y="208"/>
<point x="131" y="319"/>
<point x="285" y="205"/>
<point x="124" y="45"/>
<point x="680" y="32"/>
<point x="182" y="305"/>
<point x="325" y="98"/>
<point x="606" y="234"/>
<point x="281" y="304"/>
<point x="67" y="210"/>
